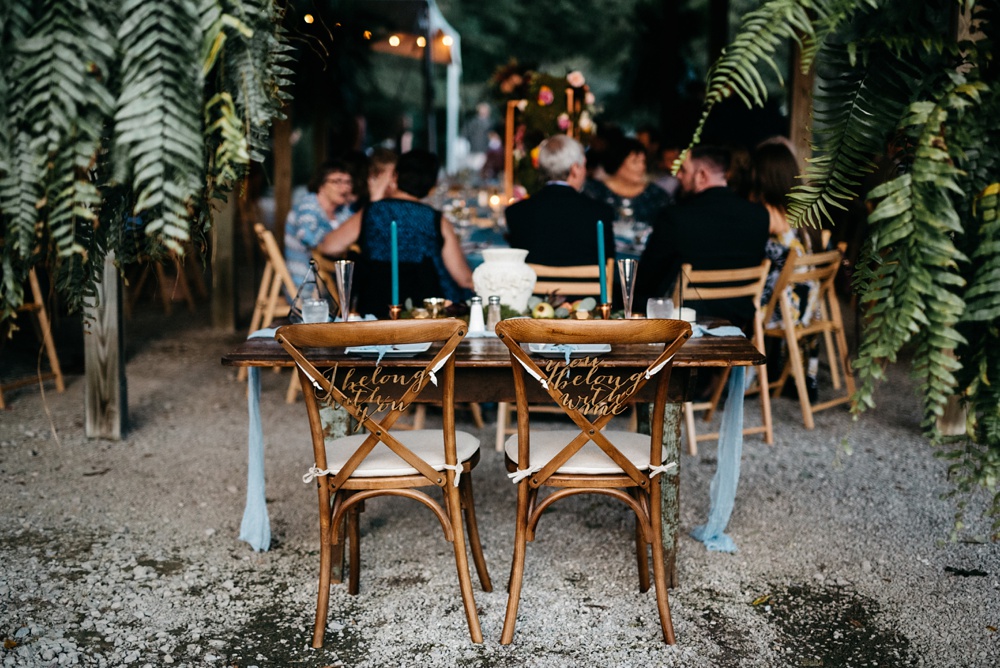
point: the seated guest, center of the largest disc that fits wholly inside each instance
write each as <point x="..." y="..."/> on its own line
<point x="431" y="263"/>
<point x="323" y="209"/>
<point x="627" y="188"/>
<point x="558" y="224"/>
<point x="711" y="228"/>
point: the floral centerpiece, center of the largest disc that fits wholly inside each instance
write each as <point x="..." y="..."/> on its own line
<point x="544" y="105"/>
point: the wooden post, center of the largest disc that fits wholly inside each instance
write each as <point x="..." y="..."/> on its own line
<point x="282" y="174"/>
<point x="800" y="108"/>
<point x="106" y="398"/>
<point x="508" y="153"/>
<point x="223" y="265"/>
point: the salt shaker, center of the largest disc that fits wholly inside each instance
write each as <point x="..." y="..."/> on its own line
<point x="493" y="313"/>
<point x="476" y="316"/>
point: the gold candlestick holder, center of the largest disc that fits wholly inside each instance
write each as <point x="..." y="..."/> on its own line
<point x="394" y="311"/>
<point x="605" y="310"/>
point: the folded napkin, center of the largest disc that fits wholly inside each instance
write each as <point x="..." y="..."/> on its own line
<point x="724" y="330"/>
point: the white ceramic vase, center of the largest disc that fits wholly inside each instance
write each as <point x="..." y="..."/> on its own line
<point x="503" y="272"/>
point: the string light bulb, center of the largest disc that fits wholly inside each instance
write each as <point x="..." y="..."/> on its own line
<point x="421" y="42"/>
<point x="447" y="40"/>
<point x="308" y="18"/>
<point x="394" y="40"/>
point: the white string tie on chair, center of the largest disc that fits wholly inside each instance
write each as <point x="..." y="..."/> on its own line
<point x="316" y="472"/>
<point x="309" y="376"/>
<point x="521" y="474"/>
<point x="656" y="369"/>
<point x="664" y="468"/>
<point x="457" y="468"/>
<point x="540" y="379"/>
<point x="437" y="366"/>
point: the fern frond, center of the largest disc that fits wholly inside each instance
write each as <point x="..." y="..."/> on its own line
<point x="915" y="292"/>
<point x="159" y="117"/>
<point x="239" y="53"/>
<point x="857" y="109"/>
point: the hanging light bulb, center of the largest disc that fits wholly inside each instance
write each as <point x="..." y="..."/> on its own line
<point x="394" y="40"/>
<point x="421" y="41"/>
<point x="308" y="18"/>
<point x="447" y="40"/>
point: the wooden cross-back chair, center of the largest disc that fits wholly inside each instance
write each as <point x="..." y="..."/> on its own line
<point x="818" y="270"/>
<point x="711" y="285"/>
<point x="381" y="461"/>
<point x="624" y="465"/>
<point x="36" y="307"/>
<point x="580" y="281"/>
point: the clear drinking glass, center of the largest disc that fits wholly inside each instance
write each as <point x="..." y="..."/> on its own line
<point x="659" y="307"/>
<point x="343" y="276"/>
<point x="315" y="310"/>
<point x="626" y="272"/>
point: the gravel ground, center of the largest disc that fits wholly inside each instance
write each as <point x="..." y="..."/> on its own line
<point x="125" y="553"/>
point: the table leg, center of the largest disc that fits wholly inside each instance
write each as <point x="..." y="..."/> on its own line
<point x="336" y="423"/>
<point x="670" y="488"/>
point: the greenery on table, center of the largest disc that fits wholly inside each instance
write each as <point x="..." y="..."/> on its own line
<point x="901" y="97"/>
<point x="123" y="120"/>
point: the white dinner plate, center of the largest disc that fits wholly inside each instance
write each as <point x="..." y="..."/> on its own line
<point x="579" y="349"/>
<point x="395" y="350"/>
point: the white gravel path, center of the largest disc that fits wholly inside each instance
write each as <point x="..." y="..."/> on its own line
<point x="126" y="553"/>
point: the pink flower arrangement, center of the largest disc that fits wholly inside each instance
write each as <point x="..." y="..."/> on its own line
<point x="563" y="122"/>
<point x="575" y="79"/>
<point x="545" y="96"/>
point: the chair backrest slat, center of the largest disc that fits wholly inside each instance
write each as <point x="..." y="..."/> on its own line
<point x="572" y="280"/>
<point x="706" y="285"/>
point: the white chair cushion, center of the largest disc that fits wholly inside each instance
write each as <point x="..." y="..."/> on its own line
<point x="428" y="444"/>
<point x="590" y="460"/>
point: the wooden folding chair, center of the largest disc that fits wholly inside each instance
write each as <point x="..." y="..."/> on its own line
<point x="270" y="303"/>
<point x="818" y="270"/>
<point x="581" y="281"/>
<point x="186" y="273"/>
<point x="710" y="285"/>
<point x="36" y="307"/>
<point x="623" y="465"/>
<point x="382" y="461"/>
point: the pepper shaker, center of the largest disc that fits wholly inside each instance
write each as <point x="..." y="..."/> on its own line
<point x="493" y="313"/>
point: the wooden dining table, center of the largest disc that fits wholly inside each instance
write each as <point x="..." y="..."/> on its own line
<point x="483" y="374"/>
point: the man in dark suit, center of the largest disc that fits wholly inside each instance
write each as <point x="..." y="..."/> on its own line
<point x="558" y="225"/>
<point x="711" y="228"/>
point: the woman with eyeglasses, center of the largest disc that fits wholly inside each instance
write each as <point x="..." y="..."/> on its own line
<point x="317" y="213"/>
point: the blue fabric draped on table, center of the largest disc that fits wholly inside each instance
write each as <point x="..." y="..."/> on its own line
<point x="255" y="528"/>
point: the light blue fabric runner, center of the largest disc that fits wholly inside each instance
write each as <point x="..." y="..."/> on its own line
<point x="256" y="526"/>
<point x="722" y="491"/>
